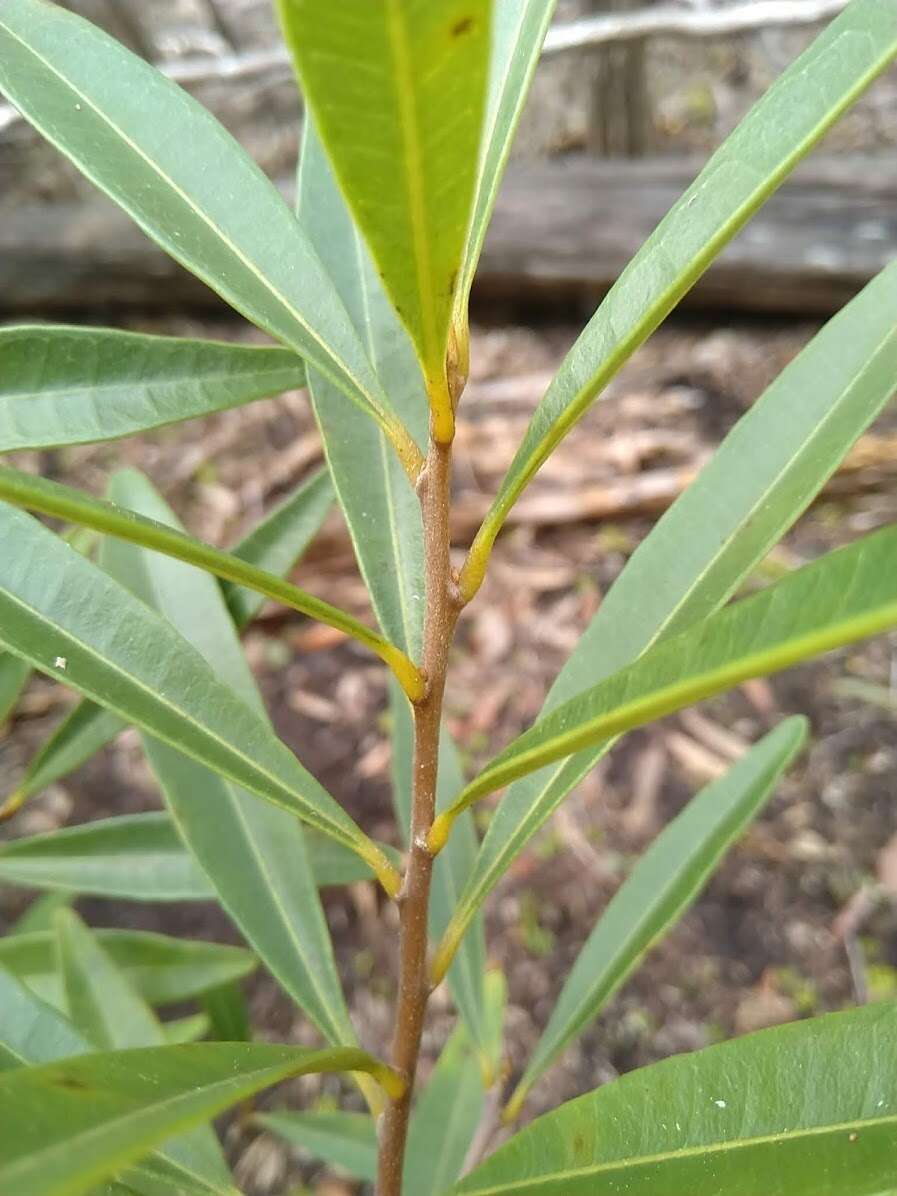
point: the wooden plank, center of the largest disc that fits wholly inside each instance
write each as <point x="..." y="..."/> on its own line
<point x="562" y="232"/>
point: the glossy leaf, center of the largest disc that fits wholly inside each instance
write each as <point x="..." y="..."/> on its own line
<point x="51" y="498"/>
<point x="345" y="1140"/>
<point x="63" y="385"/>
<point x="13" y="675"/>
<point x="381" y="509"/>
<point x="839" y="599"/>
<point x="518" y="30"/>
<point x="163" y="970"/>
<point x="397" y="92"/>
<point x="762" y="477"/>
<point x="662" y="885"/>
<point x="136" y="857"/>
<point x="55" y="1142"/>
<point x="778" y="131"/>
<point x="109" y="1012"/>
<point x="277" y="542"/>
<point x="445" y="1118"/>
<point x="81" y="734"/>
<point x="68" y="618"/>
<point x="254" y="856"/>
<point x="808" y="1109"/>
<point x="451" y="868"/>
<point x="196" y="193"/>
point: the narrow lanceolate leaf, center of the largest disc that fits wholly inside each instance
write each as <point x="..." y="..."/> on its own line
<point x="141" y="857"/>
<point x="664" y="882"/>
<point x="397" y="91"/>
<point x="452" y="866"/>
<point x="51" y="498"/>
<point x="34" y="1032"/>
<point x="842" y="598"/>
<point x="763" y="476"/>
<point x="445" y="1118"/>
<point x="163" y="970"/>
<point x="254" y="855"/>
<point x="381" y="509"/>
<point x="14" y="672"/>
<point x="191" y="1028"/>
<point x="137" y="857"/>
<point x="346" y="1140"/>
<point x="40" y="913"/>
<point x="109" y="1012"/>
<point x="66" y="1125"/>
<point x="80" y="735"/>
<point x="63" y="385"/>
<point x="518" y="30"/>
<point x="808" y="1109"/>
<point x="277" y="542"/>
<point x="741" y="175"/>
<point x="188" y="184"/>
<point x="70" y="620"/>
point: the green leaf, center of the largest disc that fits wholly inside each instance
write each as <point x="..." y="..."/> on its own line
<point x="346" y="1140"/>
<point x="277" y="542"/>
<point x="445" y="1118"/>
<point x="64" y="385"/>
<point x="254" y="855"/>
<point x="107" y="1010"/>
<point x="51" y="498"/>
<point x="181" y="176"/>
<point x="69" y="619"/>
<point x="41" y="913"/>
<point x="661" y="886"/>
<point x="762" y="477"/>
<point x="13" y="675"/>
<point x="777" y="132"/>
<point x="808" y="1109"/>
<point x="452" y="866"/>
<point x="191" y="1028"/>
<point x="136" y="857"/>
<point x="33" y="1032"/>
<point x="227" y="1014"/>
<point x="397" y="92"/>
<point x="68" y="1124"/>
<point x="381" y="509"/>
<point x="163" y="970"/>
<point x="518" y="30"/>
<point x="80" y="735"/>
<point x="839" y="599"/>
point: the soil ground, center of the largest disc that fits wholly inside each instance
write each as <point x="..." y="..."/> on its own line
<point x="762" y="943"/>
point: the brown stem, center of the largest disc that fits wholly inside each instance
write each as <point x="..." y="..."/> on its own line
<point x="443" y="606"/>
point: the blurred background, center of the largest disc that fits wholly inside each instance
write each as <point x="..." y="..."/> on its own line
<point x="629" y="99"/>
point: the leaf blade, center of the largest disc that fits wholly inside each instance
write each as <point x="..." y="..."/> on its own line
<point x="664" y="882"/>
<point x="756" y="1114"/>
<point x="74" y="385"/>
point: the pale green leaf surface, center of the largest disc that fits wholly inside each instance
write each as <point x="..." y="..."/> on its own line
<point x="40" y="913"/>
<point x="664" y="882"/>
<point x="345" y="1140"/>
<point x="65" y="1125"/>
<point x="191" y="1028"/>
<point x="763" y="476"/>
<point x="381" y="509"/>
<point x="163" y="970"/>
<point x="778" y="131"/>
<point x="181" y="176"/>
<point x="808" y="1109"/>
<point x="253" y="854"/>
<point x="397" y="91"/>
<point x="57" y="607"/>
<point x="277" y="542"/>
<point x="14" y="672"/>
<point x="63" y="385"/>
<point x="110" y="1013"/>
<point x="518" y="30"/>
<point x="841" y="598"/>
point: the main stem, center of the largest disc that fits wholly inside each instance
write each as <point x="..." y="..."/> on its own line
<point x="443" y="606"/>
